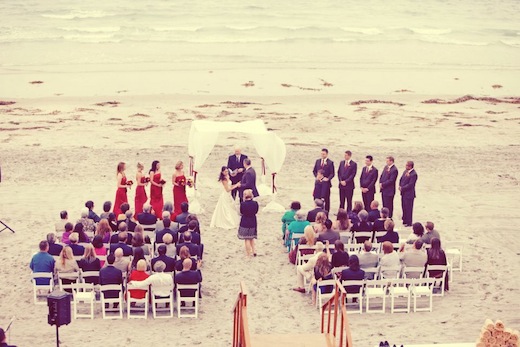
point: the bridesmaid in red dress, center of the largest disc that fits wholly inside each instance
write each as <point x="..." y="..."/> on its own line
<point x="140" y="192"/>
<point x="179" y="188"/>
<point x="121" y="197"/>
<point x="156" y="188"/>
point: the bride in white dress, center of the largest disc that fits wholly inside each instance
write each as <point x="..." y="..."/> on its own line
<point x="225" y="215"/>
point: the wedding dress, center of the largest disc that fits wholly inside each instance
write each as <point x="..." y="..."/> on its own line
<point x="225" y="215"/>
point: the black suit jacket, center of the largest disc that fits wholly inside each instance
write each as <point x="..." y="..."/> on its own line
<point x="77" y="249"/>
<point x="328" y="169"/>
<point x="181" y="218"/>
<point x="127" y="250"/>
<point x="160" y="234"/>
<point x="55" y="249"/>
<point x="407" y="184"/>
<point x="169" y="261"/>
<point x="195" y="237"/>
<point x="368" y="180"/>
<point x="347" y="174"/>
<point x="188" y="277"/>
<point x="249" y="181"/>
<point x="115" y="238"/>
<point x="321" y="189"/>
<point x="388" y="179"/>
<point x="110" y="275"/>
<point x="194" y="249"/>
<point x="311" y="215"/>
<point x="233" y="165"/>
<point x="146" y="218"/>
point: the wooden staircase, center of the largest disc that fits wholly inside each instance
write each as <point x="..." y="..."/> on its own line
<point x="333" y="313"/>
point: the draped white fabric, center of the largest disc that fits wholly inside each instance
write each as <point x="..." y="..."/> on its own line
<point x="204" y="135"/>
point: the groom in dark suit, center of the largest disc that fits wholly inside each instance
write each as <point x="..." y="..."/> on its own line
<point x="248" y="180"/>
<point x="367" y="182"/>
<point x="236" y="168"/>
<point x="346" y="173"/>
<point x="407" y="188"/>
<point x="387" y="185"/>
<point x="327" y="165"/>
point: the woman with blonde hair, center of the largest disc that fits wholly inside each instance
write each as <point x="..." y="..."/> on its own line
<point x="104" y="230"/>
<point x="308" y="239"/>
<point x="322" y="271"/>
<point x="90" y="262"/>
<point x="319" y="224"/>
<point x="66" y="264"/>
<point x="140" y="191"/>
<point x="247" y="230"/>
<point x="122" y="184"/>
<point x="179" y="188"/>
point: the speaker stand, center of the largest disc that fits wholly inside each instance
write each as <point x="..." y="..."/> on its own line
<point x="5" y="227"/>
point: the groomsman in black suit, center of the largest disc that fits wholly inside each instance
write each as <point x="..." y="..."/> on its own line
<point x="327" y="166"/>
<point x="236" y="168"/>
<point x="321" y="188"/>
<point x="368" y="182"/>
<point x="387" y="185"/>
<point x="248" y="180"/>
<point x="407" y="189"/>
<point x="346" y="173"/>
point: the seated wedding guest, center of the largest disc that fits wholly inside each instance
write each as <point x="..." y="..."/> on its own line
<point x="137" y="256"/>
<point x="379" y="224"/>
<point x="138" y="241"/>
<point x="170" y="262"/>
<point x="328" y="235"/>
<point x="430" y="233"/>
<point x="306" y="270"/>
<point x="374" y="213"/>
<point x="107" y="206"/>
<point x="110" y="275"/>
<point x="168" y="207"/>
<point x="389" y="261"/>
<point x="91" y="214"/>
<point x="194" y="249"/>
<point x="122" y="228"/>
<point x="297" y="227"/>
<point x="308" y="239"/>
<point x="362" y="225"/>
<point x="185" y="227"/>
<point x="160" y="234"/>
<point x="366" y="257"/>
<point x="391" y="235"/>
<point x="417" y="233"/>
<point x="170" y="246"/>
<point x="289" y="216"/>
<point x="353" y="215"/>
<point x="318" y="207"/>
<point x="147" y="218"/>
<point x="322" y="271"/>
<point x="339" y="257"/>
<point x="76" y="249"/>
<point x="3" y="339"/>
<point x="68" y="230"/>
<point x="66" y="264"/>
<point x="159" y="225"/>
<point x="112" y="221"/>
<point x="181" y="218"/>
<point x="122" y="263"/>
<point x="353" y="273"/>
<point x="122" y="216"/>
<point x="90" y="262"/>
<point x="188" y="276"/>
<point x="82" y="237"/>
<point x="54" y="248"/>
<point x="436" y="256"/>
<point x="193" y="227"/>
<point x="319" y="223"/>
<point x="42" y="262"/>
<point x="139" y="274"/>
<point x="122" y="237"/>
<point x="99" y="248"/>
<point x="103" y="229"/>
<point x="60" y="225"/>
<point x="130" y="223"/>
<point x="161" y="283"/>
<point x="184" y="253"/>
<point x="88" y="224"/>
<point x="342" y="222"/>
<point x="414" y="257"/>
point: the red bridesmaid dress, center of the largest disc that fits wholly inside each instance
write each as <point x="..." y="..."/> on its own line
<point x="179" y="194"/>
<point x="121" y="197"/>
<point x="156" y="196"/>
<point x="140" y="197"/>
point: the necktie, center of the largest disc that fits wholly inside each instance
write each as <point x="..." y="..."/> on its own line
<point x="238" y="159"/>
<point x="388" y="170"/>
<point x="408" y="174"/>
<point x="322" y="163"/>
<point x="346" y="164"/>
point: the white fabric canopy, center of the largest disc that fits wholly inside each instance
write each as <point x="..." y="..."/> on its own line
<point x="204" y="135"/>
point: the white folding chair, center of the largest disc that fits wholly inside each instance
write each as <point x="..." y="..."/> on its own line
<point x="376" y="289"/>
<point x="167" y="301"/>
<point x="453" y="252"/>
<point x="83" y="293"/>
<point x="378" y="234"/>
<point x="73" y="277"/>
<point x="362" y="234"/>
<point x="46" y="287"/>
<point x="371" y="273"/>
<point x="149" y="227"/>
<point x="399" y="288"/>
<point x="390" y="272"/>
<point x="322" y="298"/>
<point x="78" y="258"/>
<point x="439" y="280"/>
<point x="356" y="295"/>
<point x="106" y="302"/>
<point x="90" y="275"/>
<point x="345" y="237"/>
<point x="413" y="272"/>
<point x="295" y="238"/>
<point x="422" y="287"/>
<point x="337" y="271"/>
<point x="303" y="258"/>
<point x="352" y="248"/>
<point x="133" y="310"/>
<point x="187" y="299"/>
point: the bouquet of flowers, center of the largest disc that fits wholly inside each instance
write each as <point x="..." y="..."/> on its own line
<point x="129" y="183"/>
<point x="147" y="179"/>
<point x="162" y="182"/>
<point x="189" y="182"/>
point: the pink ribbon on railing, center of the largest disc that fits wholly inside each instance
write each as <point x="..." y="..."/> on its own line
<point x="274" y="186"/>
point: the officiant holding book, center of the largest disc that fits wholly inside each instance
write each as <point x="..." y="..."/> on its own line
<point x="236" y="168"/>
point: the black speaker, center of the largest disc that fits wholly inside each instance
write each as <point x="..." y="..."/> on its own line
<point x="59" y="308"/>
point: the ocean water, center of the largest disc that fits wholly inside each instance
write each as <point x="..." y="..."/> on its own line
<point x="304" y="33"/>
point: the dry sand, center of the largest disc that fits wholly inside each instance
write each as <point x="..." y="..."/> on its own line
<point x="59" y="151"/>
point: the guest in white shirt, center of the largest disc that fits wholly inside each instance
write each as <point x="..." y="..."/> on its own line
<point x="307" y="270"/>
<point x="389" y="261"/>
<point x="162" y="283"/>
<point x="414" y="257"/>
